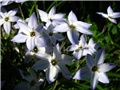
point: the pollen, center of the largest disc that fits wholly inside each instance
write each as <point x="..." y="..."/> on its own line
<point x="6" y="19"/>
<point x="94" y="68"/>
<point x="72" y="27"/>
<point x="32" y="34"/>
<point x="35" y="50"/>
<point x="53" y="62"/>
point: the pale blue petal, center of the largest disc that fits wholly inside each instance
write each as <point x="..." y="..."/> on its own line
<point x="12" y="12"/>
<point x="53" y="39"/>
<point x="113" y="20"/>
<point x="41" y="65"/>
<point x="94" y="80"/>
<point x="84" y="24"/>
<point x="1" y="21"/>
<point x="24" y="27"/>
<point x="51" y="74"/>
<point x="78" y="54"/>
<point x="82" y="73"/>
<point x="109" y="10"/>
<point x="32" y="23"/>
<point x="64" y="71"/>
<point x="13" y="18"/>
<point x="57" y="51"/>
<point x="30" y="42"/>
<point x="52" y="12"/>
<point x="20" y="38"/>
<point x="72" y="47"/>
<point x="40" y="42"/>
<point x="90" y="61"/>
<point x="83" y="40"/>
<point x="103" y="78"/>
<point x="58" y="36"/>
<point x="100" y="56"/>
<point x="58" y="16"/>
<point x="22" y="86"/>
<point x="66" y="59"/>
<point x="43" y="15"/>
<point x="106" y="67"/>
<point x="73" y="36"/>
<point x="7" y="27"/>
<point x="72" y="17"/>
<point x="115" y="15"/>
<point x="62" y="28"/>
<point x="103" y="14"/>
<point x="83" y="30"/>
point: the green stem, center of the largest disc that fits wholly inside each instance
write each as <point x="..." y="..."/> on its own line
<point x="21" y="12"/>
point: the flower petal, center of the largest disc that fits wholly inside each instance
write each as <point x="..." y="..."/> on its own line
<point x="57" y="51"/>
<point x="51" y="74"/>
<point x="53" y="40"/>
<point x="13" y="18"/>
<point x="103" y="78"/>
<point x="64" y="71"/>
<point x="20" y="38"/>
<point x="66" y="59"/>
<point x="7" y="27"/>
<point x="61" y="28"/>
<point x="106" y="67"/>
<point x="12" y="12"/>
<point x="103" y="14"/>
<point x="109" y="10"/>
<point x="113" y="20"/>
<point x="30" y="42"/>
<point x="52" y="12"/>
<point x="84" y="24"/>
<point x="78" y="54"/>
<point x="100" y="56"/>
<point x="83" y="40"/>
<point x="58" y="16"/>
<point x="90" y="61"/>
<point x="94" y="80"/>
<point x="58" y="36"/>
<point x="40" y="42"/>
<point x="82" y="73"/>
<point x="73" y="36"/>
<point x="41" y="65"/>
<point x="32" y="23"/>
<point x="1" y="21"/>
<point x="24" y="27"/>
<point x="43" y="15"/>
<point x="115" y="15"/>
<point x="83" y="30"/>
<point x="72" y="48"/>
<point x="72" y="17"/>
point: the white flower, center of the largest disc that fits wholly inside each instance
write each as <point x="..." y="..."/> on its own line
<point x="31" y="33"/>
<point x="5" y="2"/>
<point x="110" y="15"/>
<point x="95" y="69"/>
<point x="82" y="48"/>
<point x="37" y="50"/>
<point x="31" y="83"/>
<point x="6" y="18"/>
<point x="52" y="35"/>
<point x="54" y="64"/>
<point x="73" y="27"/>
<point x="51" y="17"/>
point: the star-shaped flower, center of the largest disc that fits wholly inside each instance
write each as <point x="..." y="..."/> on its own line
<point x="31" y="82"/>
<point x="110" y="15"/>
<point x="52" y="35"/>
<point x="82" y="48"/>
<point x="54" y="64"/>
<point x="6" y="18"/>
<point x="95" y="69"/>
<point x="72" y="26"/>
<point x="51" y="17"/>
<point x="31" y="33"/>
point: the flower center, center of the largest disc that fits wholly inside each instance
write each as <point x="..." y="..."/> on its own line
<point x="80" y="47"/>
<point x="94" y="68"/>
<point x="50" y="34"/>
<point x="53" y="62"/>
<point x="6" y="19"/>
<point x="35" y="50"/>
<point x="72" y="27"/>
<point x="32" y="34"/>
<point x="51" y="20"/>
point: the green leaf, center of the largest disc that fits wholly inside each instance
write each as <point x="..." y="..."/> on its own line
<point x="114" y="30"/>
<point x="118" y="25"/>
